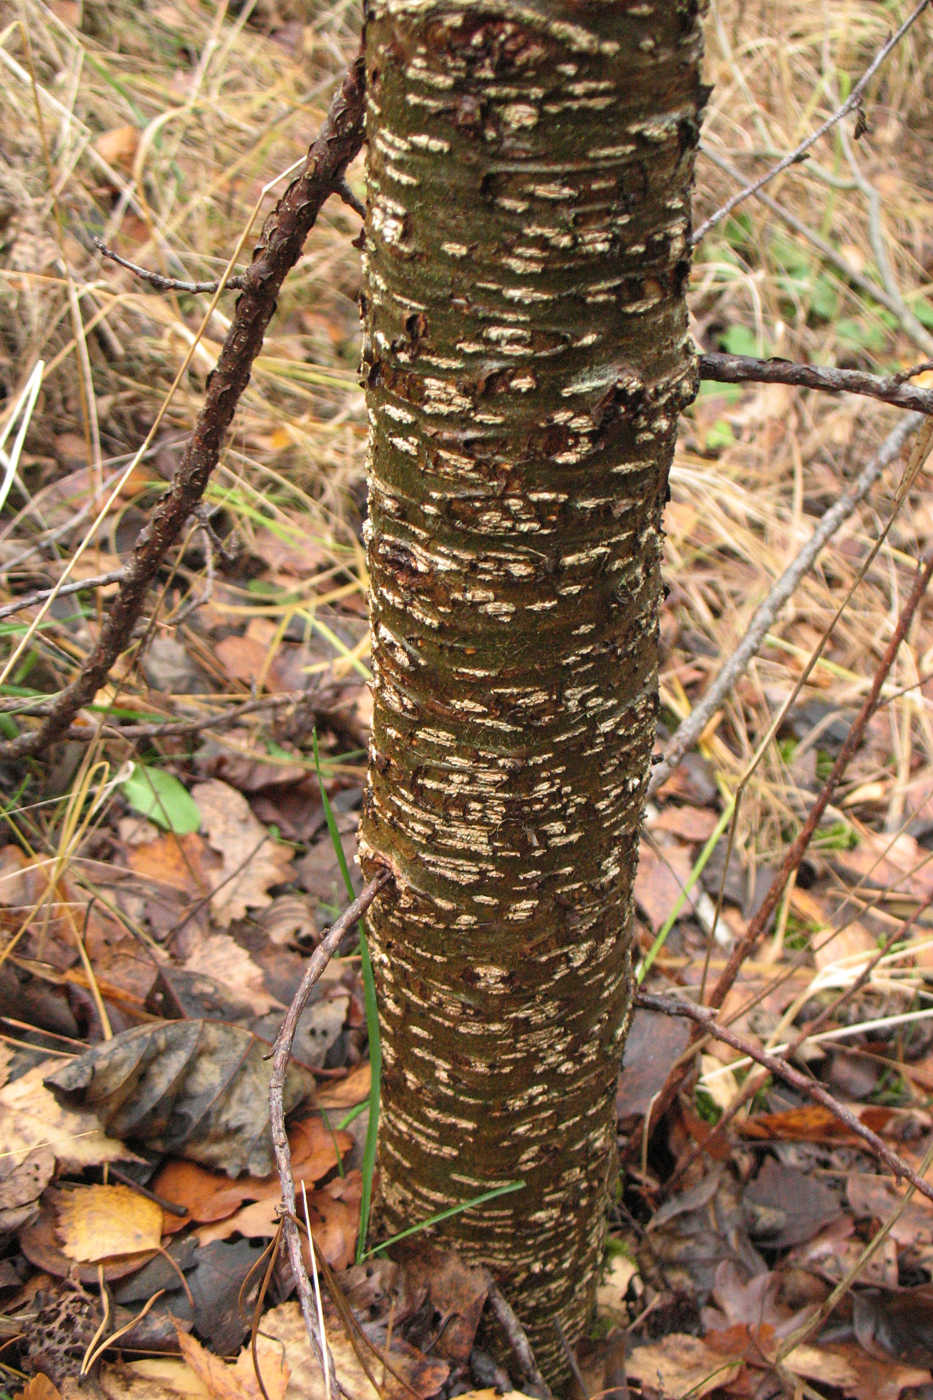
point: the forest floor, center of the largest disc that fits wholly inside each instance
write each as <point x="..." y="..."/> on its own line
<point x="185" y="873"/>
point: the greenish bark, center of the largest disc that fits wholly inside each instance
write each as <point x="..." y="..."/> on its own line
<point x="526" y="358"/>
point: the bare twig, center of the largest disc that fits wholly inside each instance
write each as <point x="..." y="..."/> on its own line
<point x="160" y="281"/>
<point x="279" y="247"/>
<point x="906" y="318"/>
<point x="517" y="1338"/>
<point x="59" y="591"/>
<point x="756" y="1081"/>
<point x="280" y="1056"/>
<point x="795" y="854"/>
<point x="852" y="102"/>
<point x="889" y="388"/>
<point x="759" y="921"/>
<point x="704" y="1018"/>
<point x="692" y="727"/>
<point x="320" y="705"/>
<point x="232" y="284"/>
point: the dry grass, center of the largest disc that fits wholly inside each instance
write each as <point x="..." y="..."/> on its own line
<point x="158" y="128"/>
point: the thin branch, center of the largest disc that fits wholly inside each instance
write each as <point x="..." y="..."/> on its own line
<point x="687" y="734"/>
<point x="280" y="244"/>
<point x="281" y="1052"/>
<point x="889" y="388"/>
<point x="759" y="921"/>
<point x="906" y="319"/>
<point x="852" y="102"/>
<point x="756" y="1081"/>
<point x="517" y="1338"/>
<point x="160" y="281"/>
<point x="704" y="1018"/>
<point x="172" y="728"/>
<point x="232" y="284"/>
<point x="59" y="591"/>
<point x="795" y="854"/>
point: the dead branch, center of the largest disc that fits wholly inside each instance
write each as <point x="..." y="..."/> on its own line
<point x="281" y="1052"/>
<point x="159" y="281"/>
<point x="905" y="317"/>
<point x="889" y="388"/>
<point x="280" y="244"/>
<point x="759" y="922"/>
<point x="517" y="1338"/>
<point x="59" y="591"/>
<point x="756" y="1081"/>
<point x="795" y="854"/>
<point x="704" y="1018"/>
<point x="687" y="733"/>
<point x="852" y="102"/>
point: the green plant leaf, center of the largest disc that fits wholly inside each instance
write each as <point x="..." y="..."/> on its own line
<point x="739" y="340"/>
<point x="719" y="435"/>
<point x="162" y="798"/>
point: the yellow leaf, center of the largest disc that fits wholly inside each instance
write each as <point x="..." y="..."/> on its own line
<point x="97" y="1222"/>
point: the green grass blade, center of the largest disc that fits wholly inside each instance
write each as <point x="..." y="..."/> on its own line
<point x="442" y="1215"/>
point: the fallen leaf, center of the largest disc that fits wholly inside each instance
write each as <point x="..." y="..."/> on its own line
<point x="95" y="1222"/>
<point x="31" y="1118"/>
<point x="851" y="1371"/>
<point x="680" y="1366"/>
<point x="689" y="823"/>
<point x="251" y="861"/>
<point x="660" y="882"/>
<point x="238" y="1380"/>
<point x="156" y="1378"/>
<point x="118" y="146"/>
<point x="38" y="1388"/>
<point x="220" y="957"/>
<point x="653" y="1045"/>
<point x="210" y="1196"/>
<point x="201" y="1087"/>
<point x="349" y="1091"/>
<point x="283" y="1331"/>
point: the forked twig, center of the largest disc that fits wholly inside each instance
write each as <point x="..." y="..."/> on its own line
<point x="852" y="102"/>
<point x="704" y="1018"/>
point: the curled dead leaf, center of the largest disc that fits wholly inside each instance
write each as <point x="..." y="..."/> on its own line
<point x="199" y="1089"/>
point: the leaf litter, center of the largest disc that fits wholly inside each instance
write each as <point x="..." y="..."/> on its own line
<point x="169" y="952"/>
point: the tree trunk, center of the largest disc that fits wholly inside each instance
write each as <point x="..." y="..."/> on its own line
<point x="526" y="358"/>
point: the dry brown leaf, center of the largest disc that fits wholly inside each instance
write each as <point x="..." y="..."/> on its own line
<point x="680" y="1365"/>
<point x="31" y="1118"/>
<point x="238" y="1381"/>
<point x="118" y="146"/>
<point x="251" y="860"/>
<point x="38" y="1388"/>
<point x="96" y="1222"/>
<point x="219" y="956"/>
<point x="283" y="1330"/>
<point x="346" y="1092"/>
<point x="156" y="1378"/>
<point x="198" y="1087"/>
<point x="183" y="863"/>
<point x="689" y="823"/>
<point x="660" y="881"/>
<point x="853" y="1372"/>
<point x="22" y="1184"/>
<point x="209" y="1196"/>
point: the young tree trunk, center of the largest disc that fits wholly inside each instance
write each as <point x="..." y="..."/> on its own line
<point x="526" y="358"/>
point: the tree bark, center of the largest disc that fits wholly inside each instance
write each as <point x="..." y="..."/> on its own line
<point x="526" y="357"/>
